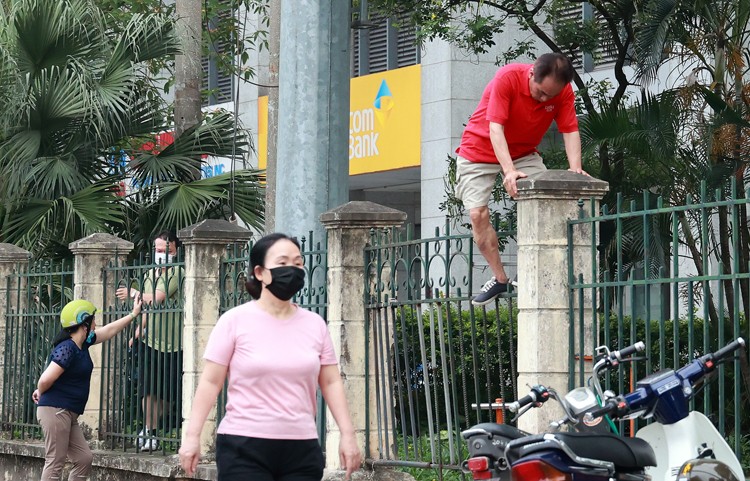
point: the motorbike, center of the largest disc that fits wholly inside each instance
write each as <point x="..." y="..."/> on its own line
<point x="679" y="445"/>
<point x="487" y="442"/>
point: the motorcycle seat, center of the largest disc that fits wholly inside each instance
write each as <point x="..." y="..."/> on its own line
<point x="624" y="453"/>
<point x="496" y="430"/>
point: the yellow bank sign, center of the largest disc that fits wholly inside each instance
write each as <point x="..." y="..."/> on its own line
<point x="384" y="121"/>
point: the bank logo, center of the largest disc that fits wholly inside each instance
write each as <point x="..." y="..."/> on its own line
<point x="383" y="103"/>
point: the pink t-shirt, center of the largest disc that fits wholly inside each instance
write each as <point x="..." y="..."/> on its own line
<point x="273" y="371"/>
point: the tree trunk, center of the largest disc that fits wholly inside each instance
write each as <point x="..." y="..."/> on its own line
<point x="726" y="258"/>
<point x="274" y="49"/>
<point x="188" y="71"/>
<point x="744" y="247"/>
<point x="695" y="254"/>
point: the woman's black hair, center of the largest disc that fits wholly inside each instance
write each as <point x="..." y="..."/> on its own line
<point x="258" y="258"/>
<point x="66" y="332"/>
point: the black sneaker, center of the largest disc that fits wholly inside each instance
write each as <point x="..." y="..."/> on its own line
<point x="490" y="290"/>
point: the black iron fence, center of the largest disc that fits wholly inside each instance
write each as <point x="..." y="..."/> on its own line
<point x="435" y="355"/>
<point x="36" y="294"/>
<point x="141" y="386"/>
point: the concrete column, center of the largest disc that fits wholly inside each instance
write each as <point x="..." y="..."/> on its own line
<point x="92" y="255"/>
<point x="312" y="149"/>
<point x="205" y="247"/>
<point x="545" y="202"/>
<point x="12" y="259"/>
<point x="348" y="229"/>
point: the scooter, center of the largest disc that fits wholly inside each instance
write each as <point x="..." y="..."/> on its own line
<point x="688" y="447"/>
<point x="687" y="444"/>
<point x="487" y="442"/>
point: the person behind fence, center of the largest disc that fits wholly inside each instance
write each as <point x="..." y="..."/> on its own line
<point x="276" y="354"/>
<point x="502" y="136"/>
<point x="160" y="362"/>
<point x="63" y="387"/>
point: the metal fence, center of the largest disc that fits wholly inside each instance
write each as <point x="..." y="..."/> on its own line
<point x="674" y="275"/>
<point x="434" y="353"/>
<point x="141" y="386"/>
<point x="35" y="296"/>
<point x="313" y="296"/>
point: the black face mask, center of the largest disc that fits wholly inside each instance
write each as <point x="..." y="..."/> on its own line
<point x="286" y="281"/>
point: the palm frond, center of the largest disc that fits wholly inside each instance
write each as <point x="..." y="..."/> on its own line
<point x="92" y="209"/>
<point x="50" y="177"/>
<point x="146" y="37"/>
<point x="654" y="27"/>
<point x="179" y="161"/>
<point x="49" y="32"/>
<point x="648" y="129"/>
<point x="59" y="97"/>
<point x="183" y="204"/>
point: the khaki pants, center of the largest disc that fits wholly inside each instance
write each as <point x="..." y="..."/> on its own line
<point x="475" y="180"/>
<point x="63" y="438"/>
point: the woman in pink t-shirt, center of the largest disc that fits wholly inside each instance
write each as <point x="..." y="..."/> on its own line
<point x="276" y="355"/>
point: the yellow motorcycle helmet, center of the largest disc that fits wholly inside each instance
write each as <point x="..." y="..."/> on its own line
<point x="76" y="312"/>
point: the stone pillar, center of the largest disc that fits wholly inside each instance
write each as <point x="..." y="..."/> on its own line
<point x="312" y="153"/>
<point x="12" y="259"/>
<point x="348" y="229"/>
<point x="205" y="247"/>
<point x="92" y="255"/>
<point x="545" y="202"/>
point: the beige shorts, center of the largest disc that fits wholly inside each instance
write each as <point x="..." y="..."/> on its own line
<point x="475" y="180"/>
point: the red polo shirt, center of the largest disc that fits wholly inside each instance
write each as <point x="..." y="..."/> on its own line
<point x="507" y="101"/>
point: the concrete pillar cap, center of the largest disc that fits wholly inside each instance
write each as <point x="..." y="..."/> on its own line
<point x="100" y="242"/>
<point x="359" y="213"/>
<point x="562" y="184"/>
<point x="213" y="231"/>
<point x="11" y="252"/>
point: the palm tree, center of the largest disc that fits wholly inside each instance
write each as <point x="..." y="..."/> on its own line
<point x="709" y="38"/>
<point x="77" y="103"/>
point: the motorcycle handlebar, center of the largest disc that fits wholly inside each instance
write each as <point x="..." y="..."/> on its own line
<point x="612" y="406"/>
<point x="727" y="350"/>
<point x="628" y="351"/>
<point x="612" y="359"/>
<point x="538" y="394"/>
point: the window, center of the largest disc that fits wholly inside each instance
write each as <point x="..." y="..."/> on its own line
<point x="382" y="43"/>
<point x="217" y="85"/>
<point x="605" y="54"/>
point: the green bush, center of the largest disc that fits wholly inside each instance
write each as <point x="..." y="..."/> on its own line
<point x="472" y="358"/>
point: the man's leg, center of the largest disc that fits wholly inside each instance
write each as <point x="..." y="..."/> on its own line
<point x="486" y="239"/>
<point x="152" y="409"/>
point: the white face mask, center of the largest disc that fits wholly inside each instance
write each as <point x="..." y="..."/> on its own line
<point x="162" y="258"/>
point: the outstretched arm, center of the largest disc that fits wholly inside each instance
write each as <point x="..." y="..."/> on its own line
<point x="109" y="331"/>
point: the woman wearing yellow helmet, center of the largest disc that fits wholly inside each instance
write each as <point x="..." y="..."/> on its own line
<point x="63" y="388"/>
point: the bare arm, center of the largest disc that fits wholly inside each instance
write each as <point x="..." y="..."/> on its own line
<point x="572" y="142"/>
<point x="500" y="146"/>
<point x="49" y="376"/>
<point x="105" y="333"/>
<point x="147" y="297"/>
<point x="332" y="389"/>
<point x="211" y="382"/>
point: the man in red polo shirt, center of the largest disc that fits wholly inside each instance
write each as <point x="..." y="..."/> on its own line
<point x="517" y="107"/>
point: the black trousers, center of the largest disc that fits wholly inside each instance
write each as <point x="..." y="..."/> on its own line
<point x="240" y="458"/>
